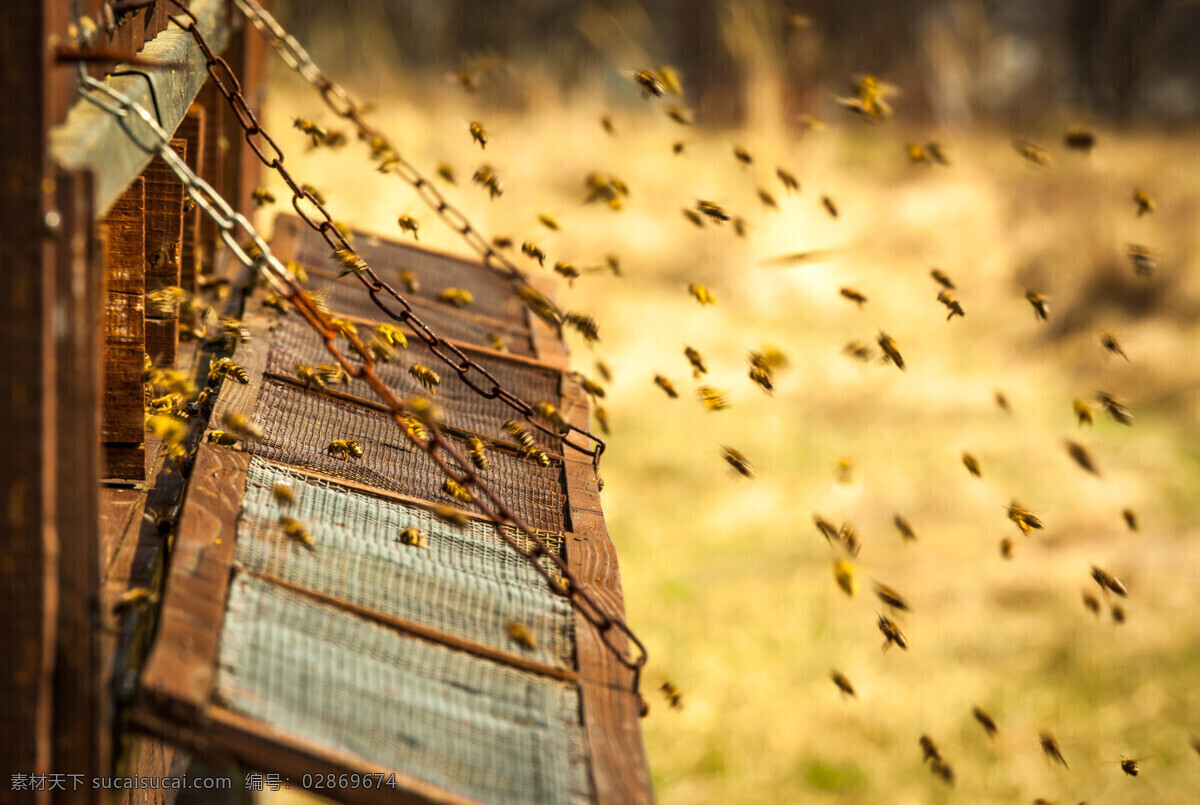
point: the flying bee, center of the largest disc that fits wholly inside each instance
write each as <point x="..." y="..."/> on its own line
<point x="929" y="750"/>
<point x="942" y="279"/>
<point x="502" y="242"/>
<point x="380" y="350"/>
<point x="842" y="683"/>
<point x="446" y="172"/>
<point x="843" y="574"/>
<point x="343" y="327"/>
<point x="761" y="375"/>
<point x="1081" y="456"/>
<point x="261" y="197"/>
<point x="694" y="217"/>
<point x="605" y="371"/>
<point x="1144" y="261"/>
<point x="607" y="124"/>
<point x="317" y="300"/>
<point x="425" y="376"/>
<point x="478" y="134"/>
<point x="853" y="295"/>
<point x="315" y="133"/>
<point x="677" y="147"/>
<point x="485" y="176"/>
<point x="478" y="452"/>
<point x="830" y="206"/>
<point x="715" y="212"/>
<point x="391" y="335"/>
<point x="535" y="455"/>
<point x="916" y="154"/>
<point x="163" y="303"/>
<point x="409" y="224"/>
<point x="767" y="199"/>
<point x="667" y="386"/>
<point x="1115" y="408"/>
<point x="845" y="471"/>
<point x="224" y="367"/>
<point x="740" y="226"/>
<point x="332" y="374"/>
<point x="1195" y="742"/>
<point x="890" y="597"/>
<point x="456" y="490"/>
<point x="317" y="197"/>
<point x="222" y="438"/>
<point x="293" y="529"/>
<point x="738" y="461"/>
<point x="1110" y="343"/>
<point x="1129" y="765"/>
<point x="1144" y="203"/>
<point x="713" y="399"/>
<point x="1083" y="412"/>
<point x="276" y="303"/>
<point x="350" y="262"/>
<point x="1025" y="519"/>
<point x="1107" y="581"/>
<point x="1051" y="748"/>
<point x="790" y="183"/>
<point x="1002" y="401"/>
<point x="450" y="516"/>
<point x="134" y="598"/>
<point x="241" y="426"/>
<point x="699" y="367"/>
<point x="1091" y="603"/>
<point x="1118" y="613"/>
<point x="1006" y="548"/>
<point x="672" y="695"/>
<point x="858" y="350"/>
<point x="413" y="537"/>
<point x="649" y="83"/>
<point x="985" y="721"/>
<point x="890" y="351"/>
<point x="680" y="115"/>
<point x="703" y="295"/>
<point x="567" y="271"/>
<point x="283" y="494"/>
<point x="906" y="530"/>
<point x="591" y="388"/>
<point x="1130" y="519"/>
<point x="345" y="449"/>
<point x="1040" y="307"/>
<point x="521" y="635"/>
<point x="531" y="250"/>
<point x="1032" y="153"/>
<point x="456" y="297"/>
<point x="551" y="416"/>
<point x="518" y="432"/>
<point x="825" y="527"/>
<point x="601" y="419"/>
<point x="891" y="633"/>
<point x="742" y="155"/>
<point x="1078" y="139"/>
<point x="947" y="299"/>
<point x="941" y="769"/>
<point x="584" y="325"/>
<point x="849" y="539"/>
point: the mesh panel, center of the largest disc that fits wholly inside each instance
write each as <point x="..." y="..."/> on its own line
<point x="298" y="427"/>
<point x="434" y="272"/>
<point x="465" y="581"/>
<point x="295" y="341"/>
<point x="466" y="724"/>
<point x="348" y="297"/>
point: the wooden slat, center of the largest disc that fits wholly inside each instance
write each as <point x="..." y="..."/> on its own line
<point x="163" y="239"/>
<point x="547" y="345"/>
<point x="123" y="422"/>
<point x="212" y="161"/>
<point x="610" y="709"/>
<point x="191" y="130"/>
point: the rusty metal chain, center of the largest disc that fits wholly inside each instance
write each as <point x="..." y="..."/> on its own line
<point x="317" y="218"/>
<point x="140" y="126"/>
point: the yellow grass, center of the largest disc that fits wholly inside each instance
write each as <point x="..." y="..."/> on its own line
<point x="726" y="579"/>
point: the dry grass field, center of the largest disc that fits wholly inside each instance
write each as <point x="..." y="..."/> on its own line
<point x="726" y="578"/>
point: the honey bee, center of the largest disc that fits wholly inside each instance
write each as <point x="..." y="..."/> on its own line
<point x="703" y="295"/>
<point x="222" y="438"/>
<point x="853" y="295"/>
<point x="478" y="134"/>
<point x="680" y="115"/>
<point x="986" y="721"/>
<point x="849" y="540"/>
<point x="224" y="367"/>
<point x="845" y="471"/>
<point x="942" y="770"/>
<point x="1006" y="548"/>
<point x="584" y="325"/>
<point x="602" y="419"/>
<point x="890" y="351"/>
<point x="456" y="490"/>
<point x="478" y="452"/>
<point x="1144" y="261"/>
<point x="1025" y="519"/>
<point x="350" y="262"/>
<point x="241" y="426"/>
<point x="283" y="494"/>
<point x="567" y="271"/>
<point x="518" y="432"/>
<point x="1032" y="153"/>
<point x="261" y="197"/>
<point x="607" y="124"/>
<point x="714" y="211"/>
<point x="1110" y="343"/>
<point x="456" y="297"/>
<point x="521" y="635"/>
<point x="531" y="250"/>
<point x="134" y="598"/>
<point x="942" y="279"/>
<point x="929" y="750"/>
<point x="666" y="385"/>
<point x="1002" y="401"/>
<point x="446" y="172"/>
<point x="713" y="399"/>
<point x="345" y="449"/>
<point x="843" y="574"/>
<point x="1107" y="581"/>
<point x="696" y="360"/>
<point x="947" y="299"/>
<point x="1091" y="603"/>
<point x="276" y="303"/>
<point x="1118" y="613"/>
<point x="891" y="633"/>
<point x="1081" y="455"/>
<point x="672" y="695"/>
<point x="738" y="461"/>
<point x="649" y="83"/>
<point x="343" y="327"/>
<point x="1144" y="203"/>
<point x="916" y="154"/>
<point x="1078" y="139"/>
<point x="317" y="299"/>
<point x="496" y="342"/>
<point x="677" y="147"/>
<point x="842" y="683"/>
<point x="830" y="206"/>
<point x="1115" y="408"/>
<point x="425" y="376"/>
<point x="413" y="537"/>
<point x="858" y="350"/>
<point x="870" y="98"/>
<point x="316" y="133"/>
<point x="825" y="527"/>
<point x="937" y="153"/>
<point x="409" y="224"/>
<point x="450" y="516"/>
<point x="890" y="597"/>
<point x="591" y="388"/>
<point x="1040" y="306"/>
<point x="761" y="373"/>
<point x="502" y="242"/>
<point x="485" y="176"/>
<point x="790" y="183"/>
<point x="605" y="371"/>
<point x="1129" y="766"/>
<point x="906" y="530"/>
<point x="163" y="303"/>
<point x="1083" y="412"/>
<point x="550" y="415"/>
<point x="767" y="199"/>
<point x="1130" y="519"/>
<point x="1051" y="748"/>
<point x="379" y="349"/>
<point x="391" y="335"/>
<point x="694" y="217"/>
<point x="293" y="529"/>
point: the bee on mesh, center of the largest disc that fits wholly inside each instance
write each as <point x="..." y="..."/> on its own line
<point x="413" y="537"/>
<point x="425" y="376"/>
<point x="345" y="449"/>
<point x="456" y="297"/>
<point x="225" y="367"/>
<point x="295" y="530"/>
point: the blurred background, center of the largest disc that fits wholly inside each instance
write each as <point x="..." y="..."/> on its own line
<point x="726" y="578"/>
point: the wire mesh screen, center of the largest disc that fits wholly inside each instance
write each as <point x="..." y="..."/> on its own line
<point x="299" y="426"/>
<point x="466" y="724"/>
<point x="432" y="272"/>
<point x="294" y="341"/>
<point x="467" y="582"/>
<point x="348" y="297"/>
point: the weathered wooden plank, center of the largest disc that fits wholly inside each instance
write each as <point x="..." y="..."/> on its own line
<point x="611" y="710"/>
<point x="163" y="240"/>
<point x="212" y="161"/>
<point x="191" y="130"/>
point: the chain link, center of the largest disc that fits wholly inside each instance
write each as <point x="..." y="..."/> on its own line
<point x="318" y="217"/>
<point x="142" y="129"/>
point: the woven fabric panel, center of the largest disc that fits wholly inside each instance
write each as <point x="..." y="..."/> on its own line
<point x="433" y="272"/>
<point x="350" y="298"/>
<point x="299" y="425"/>
<point x="451" y="719"/>
<point x="466" y="582"/>
<point x="295" y="341"/>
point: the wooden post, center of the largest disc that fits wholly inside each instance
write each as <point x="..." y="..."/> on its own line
<point x="164" y="233"/>
<point x="191" y="130"/>
<point x="123" y="424"/>
<point x="212" y="161"/>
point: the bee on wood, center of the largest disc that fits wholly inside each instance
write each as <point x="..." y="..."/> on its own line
<point x="1006" y="548"/>
<point x="457" y="491"/>
<point x="667" y="386"/>
<point x="843" y="574"/>
<point x="496" y="342"/>
<point x="1115" y="408"/>
<point x="391" y="335"/>
<point x="1081" y="456"/>
<point x="345" y="449"/>
<point x="450" y="516"/>
<point x="1144" y="261"/>
<point x="712" y="398"/>
<point x="521" y="635"/>
<point x="1083" y="413"/>
<point x="853" y="295"/>
<point x="350" y="262"/>
<point x="1032" y="153"/>
<point x="830" y="206"/>
<point x="293" y="529"/>
<point x="649" y="83"/>
<point x="985" y="721"/>
<point x="715" y="212"/>
<point x="222" y="438"/>
<point x="906" y="530"/>
<point x="1078" y="139"/>
<point x="790" y="183"/>
<point x="261" y="197"/>
<point x="1041" y="308"/>
<point x="942" y="279"/>
<point x="478" y="134"/>
<point x="485" y="176"/>
<point x="1051" y="748"/>
<point x="1130" y="519"/>
<point x="531" y="250"/>
<point x="478" y="452"/>
<point x="1107" y="581"/>
<point x="241" y="426"/>
<point x="413" y="537"/>
<point x="409" y="224"/>
<point x="1145" y="204"/>
<point x="891" y="633"/>
<point x="134" y="598"/>
<point x="947" y="299"/>
<point x="767" y="199"/>
<point x="1025" y="519"/>
<point x="456" y="297"/>
<point x="696" y="360"/>
<point x="224" y="367"/>
<point x="425" y="376"/>
<point x="842" y="683"/>
<point x="702" y="294"/>
<point x="672" y="695"/>
<point x="890" y="597"/>
<point x="1002" y="401"/>
<point x="1110" y="343"/>
<point x="890" y="351"/>
<point x="738" y="461"/>
<point x="1091" y="603"/>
